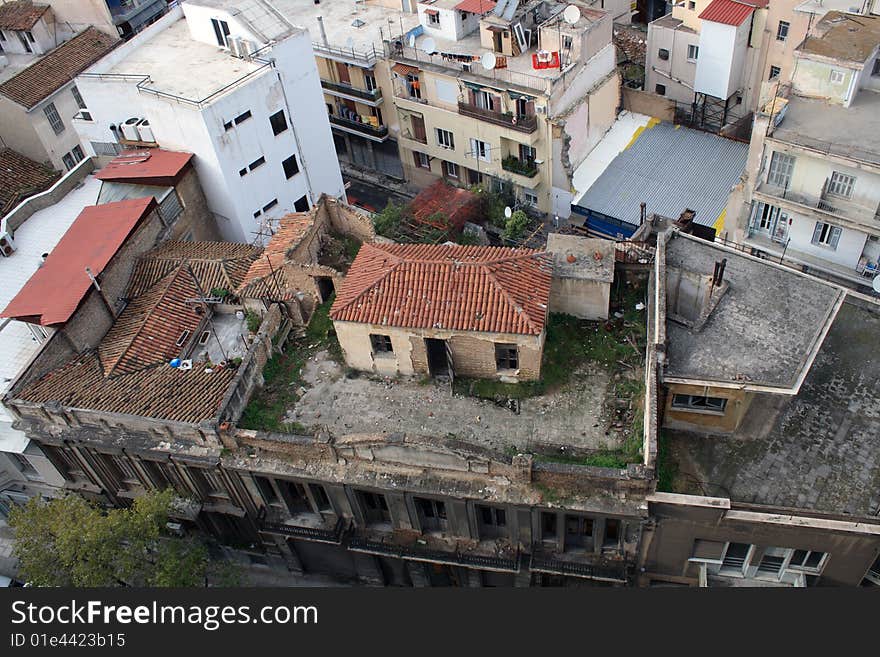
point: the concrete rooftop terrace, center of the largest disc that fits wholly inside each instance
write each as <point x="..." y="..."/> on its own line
<point x="852" y="132"/>
<point x="339" y="17"/>
<point x="179" y="65"/>
<point x="819" y="450"/>
<point x="765" y="329"/>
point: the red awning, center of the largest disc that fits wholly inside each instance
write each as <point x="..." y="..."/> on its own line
<point x="476" y="6"/>
<point x="432" y="12"/>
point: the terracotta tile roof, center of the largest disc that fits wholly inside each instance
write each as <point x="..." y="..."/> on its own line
<point x="21" y="177"/>
<point x="468" y="288"/>
<point x="291" y="230"/>
<point x="728" y="12"/>
<point x="20" y="15"/>
<point x="460" y="205"/>
<point x="58" y="67"/>
<point x="476" y="6"/>
<point x="146" y="333"/>
<point x="56" y="289"/>
<point x="154" y="166"/>
<point x="215" y="264"/>
<point x="161" y="392"/>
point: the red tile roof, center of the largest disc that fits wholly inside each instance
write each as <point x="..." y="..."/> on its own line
<point x="291" y="230"/>
<point x="728" y="12"/>
<point x="20" y="15"/>
<point x="459" y="205"/>
<point x="153" y="166"/>
<point x="467" y="288"/>
<point x="58" y="67"/>
<point x="21" y="177"/>
<point x="476" y="6"/>
<point x="56" y="289"/>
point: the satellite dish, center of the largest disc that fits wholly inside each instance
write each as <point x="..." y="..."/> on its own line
<point x="488" y="60"/>
<point x="572" y="14"/>
<point x="508" y="212"/>
<point x="876" y="284"/>
<point x="429" y="46"/>
<point x="411" y="40"/>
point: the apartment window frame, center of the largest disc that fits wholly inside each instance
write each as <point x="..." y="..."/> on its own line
<point x="278" y="122"/>
<point x="241" y="118"/>
<point x="256" y="164"/>
<point x="221" y="32"/>
<point x="451" y="169"/>
<point x="781" y="169"/>
<point x="775" y="71"/>
<point x="30" y="36"/>
<point x="836" y="76"/>
<point x="580" y="532"/>
<point x="432" y="514"/>
<point x="826" y="235"/>
<point x="422" y="160"/>
<point x="290" y="166"/>
<point x="445" y="138"/>
<point x="841" y="184"/>
<point x="506" y="357"/>
<point x="782" y="30"/>
<point x="374" y="507"/>
<point x="67" y="160"/>
<point x="660" y="89"/>
<point x="320" y="498"/>
<point x="530" y="198"/>
<point x="491" y="521"/>
<point x="875" y="71"/>
<point x="693" y="52"/>
<point x="663" y="53"/>
<point x="381" y="344"/>
<point x="692" y="5"/>
<point x="54" y="118"/>
<point x="807" y="561"/>
<point x="77" y="97"/>
<point x="549" y="526"/>
<point x="481" y="150"/>
<point x="699" y="404"/>
<point x="735" y="566"/>
<point x="271" y="204"/>
<point x="433" y="18"/>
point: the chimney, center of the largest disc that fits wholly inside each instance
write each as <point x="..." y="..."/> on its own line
<point x="643" y="212"/>
<point x="321" y="26"/>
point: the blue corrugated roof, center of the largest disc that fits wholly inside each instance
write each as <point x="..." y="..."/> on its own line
<point x="670" y="168"/>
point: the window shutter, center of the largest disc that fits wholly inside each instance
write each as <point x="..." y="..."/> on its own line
<point x="416" y="159"/>
<point x="835" y="237"/>
<point x="418" y="124"/>
<point x="530" y="108"/>
<point x="496" y="103"/>
<point x="816" y="232"/>
<point x="471" y="97"/>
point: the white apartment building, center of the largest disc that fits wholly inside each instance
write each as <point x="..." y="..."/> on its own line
<point x="812" y="188"/>
<point x="234" y="83"/>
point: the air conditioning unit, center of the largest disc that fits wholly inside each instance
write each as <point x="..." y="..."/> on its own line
<point x="7" y="246"/>
<point x="247" y="48"/>
<point x="234" y="46"/>
<point x="145" y="131"/>
<point x="541" y="109"/>
<point x="129" y="129"/>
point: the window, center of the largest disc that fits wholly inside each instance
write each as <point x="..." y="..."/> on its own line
<point x="527" y="153"/>
<point x="221" y="31"/>
<point x="78" y="97"/>
<point x="774" y="72"/>
<point x="54" y="118"/>
<point x="660" y="89"/>
<point x="418" y="128"/>
<point x="548" y="525"/>
<point x="381" y="344"/>
<point x="735" y="558"/>
<point x="836" y="77"/>
<point x="781" y="166"/>
<point x="876" y="70"/>
<point x="451" y="169"/>
<point x="782" y="31"/>
<point x="267" y="490"/>
<point x="271" y="204"/>
<point x="692" y="5"/>
<point x="445" y="139"/>
<point x="433" y="17"/>
<point x="567" y="42"/>
<point x="370" y="81"/>
<point x="257" y="213"/>
<point x="771" y="562"/>
<point x="506" y="357"/>
<point x="422" y="161"/>
<point x="432" y="514"/>
<point x="375" y="508"/>
<point x="67" y="159"/>
<point x="480" y="150"/>
<point x="301" y="204"/>
<point x="73" y="157"/>
<point x="693" y="53"/>
<point x="413" y="86"/>
<point x="578" y="532"/>
<point x="806" y="560"/>
<point x="492" y="521"/>
<point x="699" y="403"/>
<point x="241" y="118"/>
<point x="841" y="184"/>
<point x="663" y="54"/>
<point x="106" y="148"/>
<point x="294" y="494"/>
<point x="182" y="339"/>
<point x="612" y="533"/>
<point x="826" y="235"/>
<point x="291" y="168"/>
<point x="2" y="36"/>
<point x="242" y="172"/>
<point x="204" y="337"/>
<point x="30" y="37"/>
<point x="278" y="122"/>
<point x="319" y="495"/>
<point x="484" y="100"/>
<point x="227" y="126"/>
<point x="260" y="161"/>
<point x="530" y="198"/>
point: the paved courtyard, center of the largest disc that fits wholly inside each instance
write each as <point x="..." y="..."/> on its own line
<point x="574" y="417"/>
<point x="820" y="451"/>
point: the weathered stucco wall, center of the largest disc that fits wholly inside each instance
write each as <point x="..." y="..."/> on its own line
<point x="580" y="298"/>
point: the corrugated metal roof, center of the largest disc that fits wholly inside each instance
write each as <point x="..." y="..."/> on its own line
<point x="670" y="168"/>
<point x="728" y="12"/>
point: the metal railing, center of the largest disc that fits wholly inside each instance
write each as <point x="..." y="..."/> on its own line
<point x="824" y="202"/>
<point x="521" y="123"/>
<point x="308" y="533"/>
<point x="363" y="128"/>
<point x="349" y="90"/>
<point x="365" y="57"/>
<point x="544" y="563"/>
<point x="417" y="553"/>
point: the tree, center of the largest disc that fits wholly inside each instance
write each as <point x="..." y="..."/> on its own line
<point x="388" y="220"/>
<point x="516" y="225"/>
<point x="69" y="542"/>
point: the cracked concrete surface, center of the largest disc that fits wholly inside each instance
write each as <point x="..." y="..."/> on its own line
<point x="575" y="417"/>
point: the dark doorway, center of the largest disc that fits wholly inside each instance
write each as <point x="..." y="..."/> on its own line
<point x="325" y="287"/>
<point x="438" y="364"/>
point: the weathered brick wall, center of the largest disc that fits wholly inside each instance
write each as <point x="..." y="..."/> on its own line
<point x="346" y="220"/>
<point x="196" y="217"/>
<point x="474" y="356"/>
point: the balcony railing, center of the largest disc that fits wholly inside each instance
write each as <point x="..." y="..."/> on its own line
<point x="526" y="124"/>
<point x="308" y="533"/>
<point x="349" y="90"/>
<point x="418" y="553"/>
<point x="545" y="563"/>
<point x="518" y="166"/>
<point x="824" y="202"/>
<point x="366" y="57"/>
<point x="363" y="128"/>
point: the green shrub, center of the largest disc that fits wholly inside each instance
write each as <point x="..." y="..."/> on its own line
<point x="516" y="226"/>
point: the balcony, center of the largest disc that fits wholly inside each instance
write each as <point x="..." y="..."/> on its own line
<point x="348" y="91"/>
<point x="316" y="534"/>
<point x="359" y="128"/>
<point x="609" y="571"/>
<point x="415" y="551"/>
<point x="524" y="124"/>
<point x="831" y="207"/>
<point x="519" y="167"/>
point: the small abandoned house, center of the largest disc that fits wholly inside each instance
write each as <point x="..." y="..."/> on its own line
<point x="583" y="270"/>
<point x="474" y="311"/>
